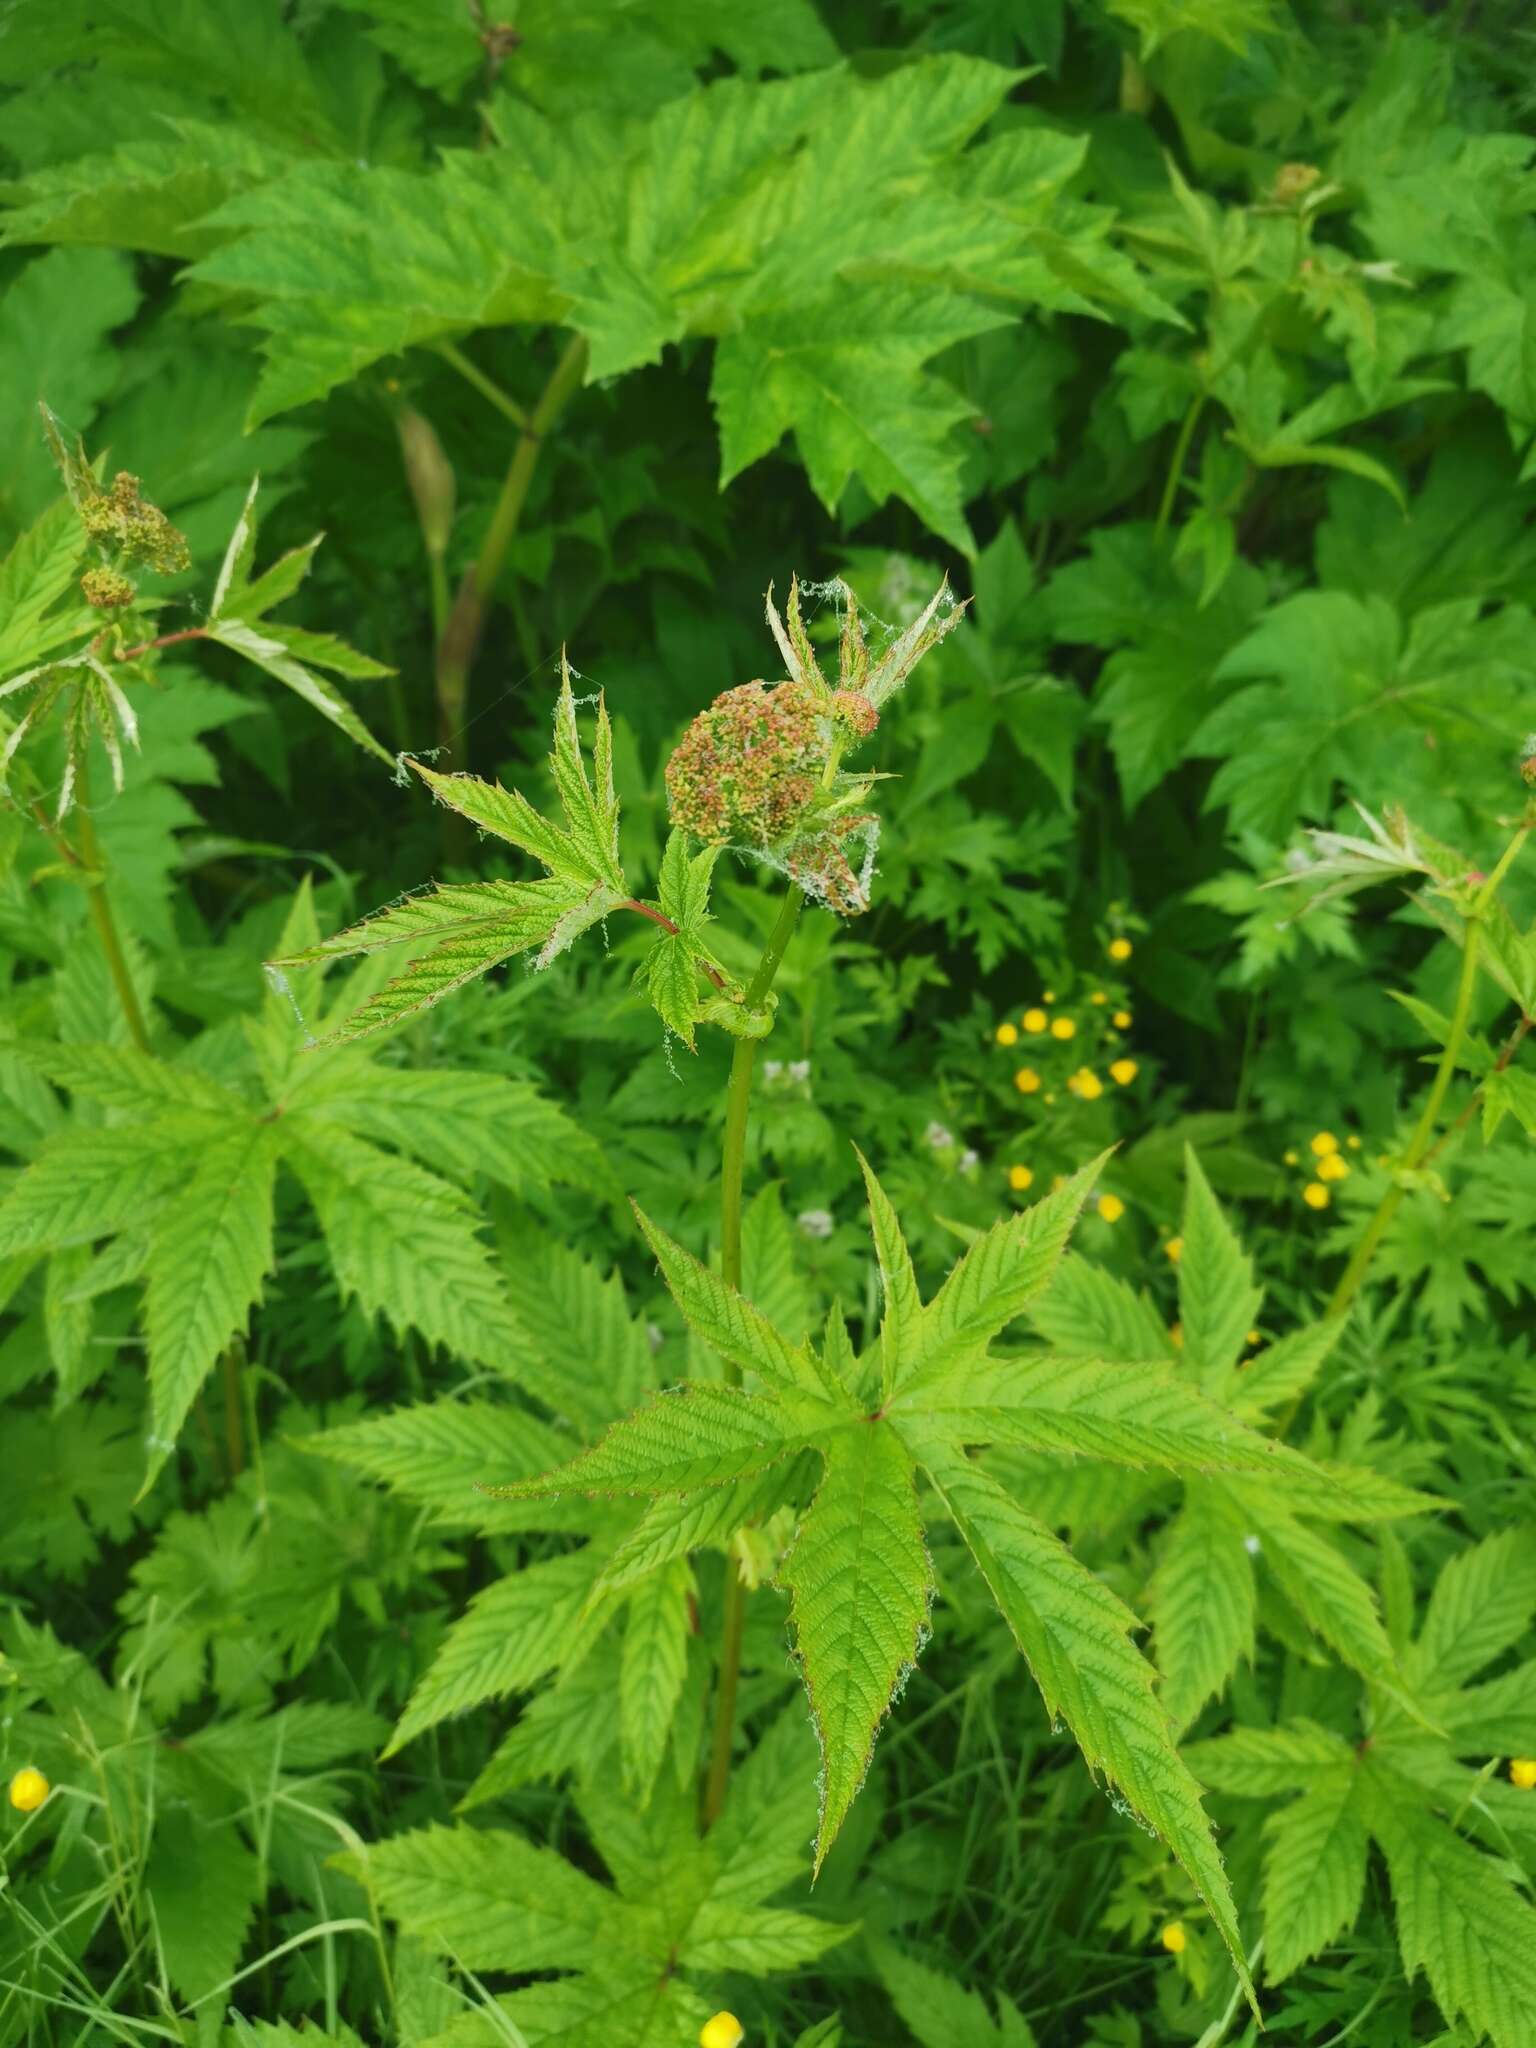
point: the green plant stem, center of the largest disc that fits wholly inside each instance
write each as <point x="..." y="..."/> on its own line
<point x="1424" y="1130"/>
<point x="733" y="1161"/>
<point x="102" y="918"/>
<point x="1187" y="428"/>
<point x="487" y="387"/>
<point x="466" y="621"/>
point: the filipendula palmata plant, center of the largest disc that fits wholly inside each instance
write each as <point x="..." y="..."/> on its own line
<point x="75" y="640"/>
<point x="857" y="1444"/>
<point x="186" y="1190"/>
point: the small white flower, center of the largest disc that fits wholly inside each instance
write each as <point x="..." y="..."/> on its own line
<point x="938" y="1137"/>
<point x="772" y="1069"/>
<point x="799" y="1070"/>
<point x="815" y="1222"/>
<point x="969" y="1160"/>
<point x="1252" y="1545"/>
<point x="655" y="1336"/>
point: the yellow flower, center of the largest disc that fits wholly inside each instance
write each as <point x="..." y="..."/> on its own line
<point x="1119" y="949"/>
<point x="1026" y="1080"/>
<point x="1293" y="1157"/>
<point x="1176" y="1336"/>
<point x="1173" y="1938"/>
<point x="1048" y="1100"/>
<point x="1123" y="1071"/>
<point x="1058" y="1182"/>
<point x="723" y="2031"/>
<point x="1049" y="996"/>
<point x="1111" y="1208"/>
<point x="1085" y="1084"/>
<point x="1035" y="1020"/>
<point x="1063" y="1027"/>
<point x="1352" y="1142"/>
<point x="1522" y="1772"/>
<point x="1175" y="1249"/>
<point x="1007" y="1034"/>
<point x="1333" y="1166"/>
<point x="1315" y="1195"/>
<point x="1324" y="1143"/>
<point x="1020" y="1178"/>
<point x="29" y="1788"/>
<point x="1121" y="1020"/>
<point x="1098" y="997"/>
<point x="1255" y="1336"/>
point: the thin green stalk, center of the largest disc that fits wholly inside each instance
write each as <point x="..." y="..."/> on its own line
<point x="461" y="635"/>
<point x="102" y="918"/>
<point x="487" y="387"/>
<point x="1424" y="1130"/>
<point x="733" y="1160"/>
<point x="1176" y="462"/>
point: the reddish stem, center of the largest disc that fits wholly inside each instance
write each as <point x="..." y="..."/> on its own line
<point x="657" y="917"/>
<point x="165" y="640"/>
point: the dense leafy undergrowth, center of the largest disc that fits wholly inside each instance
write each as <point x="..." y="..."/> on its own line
<point x="845" y="1359"/>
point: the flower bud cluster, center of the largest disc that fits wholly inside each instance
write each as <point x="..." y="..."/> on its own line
<point x="108" y="590"/>
<point x="746" y="770"/>
<point x="123" y="518"/>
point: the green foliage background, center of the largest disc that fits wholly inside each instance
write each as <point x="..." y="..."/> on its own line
<point x="1196" y="342"/>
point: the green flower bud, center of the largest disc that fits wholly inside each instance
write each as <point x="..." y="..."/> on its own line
<point x="430" y="476"/>
<point x="107" y="589"/>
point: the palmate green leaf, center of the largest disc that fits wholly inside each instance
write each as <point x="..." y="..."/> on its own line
<point x="1076" y="1637"/>
<point x="672" y="965"/>
<point x="492" y="1899"/>
<point x="1132" y="1414"/>
<point x="652" y="1671"/>
<point x="686" y="1437"/>
<point x="511" y="1635"/>
<point x="1218" y="1302"/>
<point x="681" y="1905"/>
<point x="1088" y="1313"/>
<point x="585" y="850"/>
<point x="1314" y="1872"/>
<point x="1340" y="688"/>
<point x="152" y="192"/>
<point x="1459" y="1918"/>
<point x="847" y="377"/>
<point x="730" y="1325"/>
<point x="1203" y="1600"/>
<point x="943" y="2014"/>
<point x="1483" y="1603"/>
<point x="272" y="648"/>
<point x="121" y="1077"/>
<point x="88" y="1184"/>
<point x="678" y="1526"/>
<point x="1325" y="1590"/>
<point x="860" y="1583"/>
<point x="458" y="1121"/>
<point x="995" y="1282"/>
<point x="211" y="1249"/>
<point x="901" y="1329"/>
<point x="38" y="571"/>
<point x="347" y="265"/>
<point x="436" y="1453"/>
<point x="475" y="926"/>
<point x="406" y="1244"/>
<point x="565" y="1729"/>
